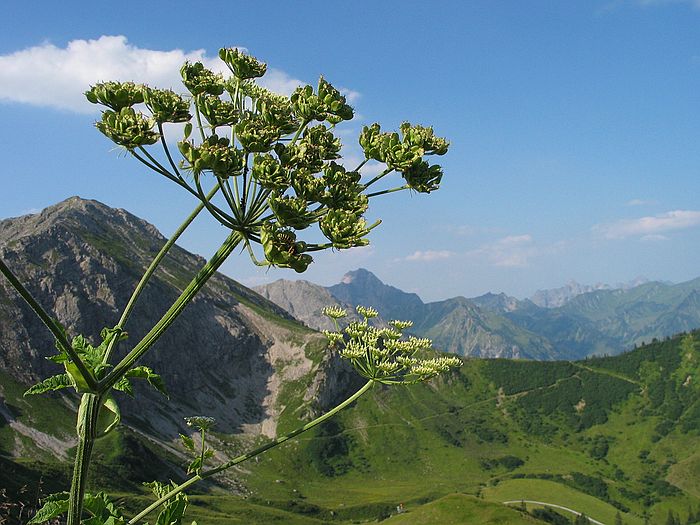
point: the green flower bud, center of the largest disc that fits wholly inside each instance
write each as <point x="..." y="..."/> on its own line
<point x="198" y="79"/>
<point x="115" y="95"/>
<point x="344" y="229"/>
<point x="371" y="143"/>
<point x="333" y="101"/>
<point x="166" y="105"/>
<point x="128" y="128"/>
<point x="317" y="145"/>
<point x="333" y="337"/>
<point x="256" y="135"/>
<point x="282" y="249"/>
<point x="307" y="106"/>
<point x="399" y="155"/>
<point x="214" y="154"/>
<point x="291" y="211"/>
<point x="241" y="65"/>
<point x="277" y="112"/>
<point x="344" y="190"/>
<point x="307" y="186"/>
<point x="327" y="104"/>
<point x="217" y="112"/>
<point x="424" y="138"/>
<point x="422" y="177"/>
<point x="270" y="173"/>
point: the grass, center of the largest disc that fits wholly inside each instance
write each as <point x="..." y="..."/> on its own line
<point x="557" y="494"/>
<point x="457" y="509"/>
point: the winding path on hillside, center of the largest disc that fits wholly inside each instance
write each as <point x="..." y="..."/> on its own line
<point x="572" y="511"/>
<point x="609" y="373"/>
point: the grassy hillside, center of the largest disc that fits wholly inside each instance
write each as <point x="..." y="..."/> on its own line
<point x="601" y="436"/>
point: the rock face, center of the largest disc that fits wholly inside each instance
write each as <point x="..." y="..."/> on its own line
<point x="226" y="356"/>
<point x="303" y="300"/>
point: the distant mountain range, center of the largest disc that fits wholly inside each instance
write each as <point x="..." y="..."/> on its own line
<point x="571" y="322"/>
<point x="555" y="297"/>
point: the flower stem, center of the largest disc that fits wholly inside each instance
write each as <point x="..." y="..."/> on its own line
<point x="251" y="454"/>
<point x="173" y="312"/>
<point x="290" y="435"/>
<point x="151" y="270"/>
<point x="87" y="432"/>
<point x="51" y="324"/>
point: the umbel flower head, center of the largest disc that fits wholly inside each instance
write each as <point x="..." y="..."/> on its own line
<point x="383" y="354"/>
<point x="273" y="162"/>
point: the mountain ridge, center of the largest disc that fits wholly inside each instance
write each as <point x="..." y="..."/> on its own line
<point x="605" y="320"/>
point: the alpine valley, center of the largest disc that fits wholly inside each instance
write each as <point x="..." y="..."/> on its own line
<point x="606" y="423"/>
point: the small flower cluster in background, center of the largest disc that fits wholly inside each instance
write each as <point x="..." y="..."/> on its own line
<point x="382" y="354"/>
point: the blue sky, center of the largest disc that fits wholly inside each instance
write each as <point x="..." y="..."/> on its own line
<point x="574" y="127"/>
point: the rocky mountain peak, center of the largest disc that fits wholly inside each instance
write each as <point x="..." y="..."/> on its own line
<point x="82" y="259"/>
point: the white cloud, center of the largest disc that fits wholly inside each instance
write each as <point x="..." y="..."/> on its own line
<point x="654" y="237"/>
<point x="351" y="96"/>
<point x="25" y="76"/>
<point x="429" y="255"/>
<point x="638" y="202"/>
<point x="509" y="251"/>
<point x="650" y="226"/>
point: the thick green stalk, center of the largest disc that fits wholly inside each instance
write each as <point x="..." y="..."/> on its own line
<point x="87" y="432"/>
<point x="251" y="454"/>
<point x="152" y="268"/>
<point x="50" y="324"/>
<point x="173" y="312"/>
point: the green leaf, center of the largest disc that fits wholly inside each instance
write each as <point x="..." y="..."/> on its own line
<point x="188" y="442"/>
<point x="54" y="506"/>
<point x="51" y="383"/>
<point x="195" y="466"/>
<point x="78" y="381"/>
<point x="143" y="372"/>
<point x="104" y="511"/>
<point x="109" y="417"/>
<point x="124" y="385"/>
<point x="174" y="508"/>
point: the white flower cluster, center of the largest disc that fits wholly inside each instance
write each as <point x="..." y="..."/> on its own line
<point x="381" y="354"/>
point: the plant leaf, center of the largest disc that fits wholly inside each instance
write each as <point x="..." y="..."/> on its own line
<point x="109" y="417"/>
<point x="124" y="385"/>
<point x="77" y="378"/>
<point x="143" y="372"/>
<point x="188" y="442"/>
<point x="174" y="508"/>
<point x="103" y="510"/>
<point x="51" y="383"/>
<point x="195" y="465"/>
<point x="54" y="506"/>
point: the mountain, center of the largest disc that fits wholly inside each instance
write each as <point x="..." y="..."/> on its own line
<point x="304" y="301"/>
<point x="599" y="321"/>
<point x="364" y="288"/>
<point x="462" y="326"/>
<point x="81" y="260"/>
<point x="556" y="297"/>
